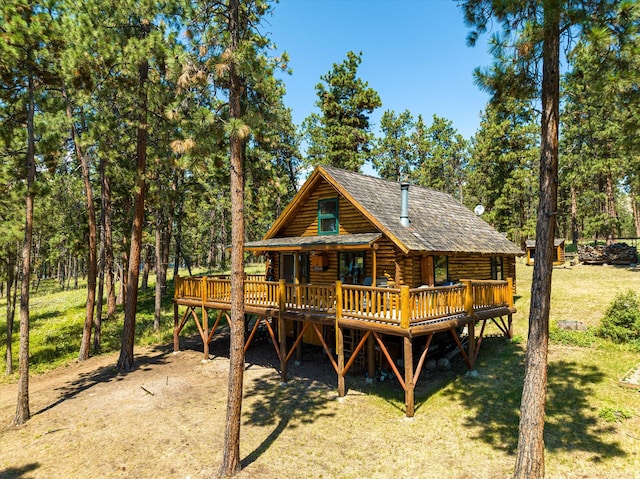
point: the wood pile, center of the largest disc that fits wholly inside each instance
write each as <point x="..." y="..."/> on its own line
<point x="617" y="253"/>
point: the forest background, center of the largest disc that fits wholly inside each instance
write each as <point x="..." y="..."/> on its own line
<point x="89" y="89"/>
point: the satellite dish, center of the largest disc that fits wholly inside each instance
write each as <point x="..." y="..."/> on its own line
<point x="478" y="210"/>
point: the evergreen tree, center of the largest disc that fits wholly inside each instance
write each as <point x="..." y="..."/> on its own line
<point x="394" y="155"/>
<point x="528" y="45"/>
<point x="441" y="156"/>
<point x="503" y="168"/>
<point x="340" y="135"/>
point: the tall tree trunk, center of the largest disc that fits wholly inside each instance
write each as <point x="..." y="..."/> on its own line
<point x="612" y="214"/>
<point x="92" y="261"/>
<point x="530" y="454"/>
<point x="178" y="235"/>
<point x="146" y="268"/>
<point x="161" y="269"/>
<point x="22" y="408"/>
<point x="105" y="194"/>
<point x="125" y="361"/>
<point x="575" y="235"/>
<point x="12" y="287"/>
<point x="636" y="214"/>
<point x="231" y="450"/>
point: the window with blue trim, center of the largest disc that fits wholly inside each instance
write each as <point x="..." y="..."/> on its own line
<point x="328" y="218"/>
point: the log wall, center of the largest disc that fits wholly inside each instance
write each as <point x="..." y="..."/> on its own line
<point x="305" y="221"/>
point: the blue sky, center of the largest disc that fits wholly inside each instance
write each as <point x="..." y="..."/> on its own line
<point x="414" y="54"/>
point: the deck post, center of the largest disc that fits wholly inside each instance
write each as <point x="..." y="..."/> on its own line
<point x="339" y="340"/>
<point x="409" y="397"/>
<point x="405" y="307"/>
<point x="371" y="358"/>
<point x="471" y="325"/>
<point x="510" y="316"/>
<point x="282" y="330"/>
<point x="176" y="335"/>
<point x="205" y="320"/>
<point x="510" y="292"/>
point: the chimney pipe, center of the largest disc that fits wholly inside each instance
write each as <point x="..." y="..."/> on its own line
<point x="404" y="204"/>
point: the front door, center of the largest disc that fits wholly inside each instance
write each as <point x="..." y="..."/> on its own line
<point x="292" y="270"/>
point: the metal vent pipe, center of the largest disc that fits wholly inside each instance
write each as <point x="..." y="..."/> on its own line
<point x="404" y="204"/>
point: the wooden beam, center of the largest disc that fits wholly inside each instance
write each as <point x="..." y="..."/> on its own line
<point x="282" y="330"/>
<point x="409" y="393"/>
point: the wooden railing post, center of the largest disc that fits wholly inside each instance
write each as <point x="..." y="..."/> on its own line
<point x="510" y="292"/>
<point x="471" y="326"/>
<point x="282" y="330"/>
<point x="339" y="340"/>
<point x="405" y="307"/>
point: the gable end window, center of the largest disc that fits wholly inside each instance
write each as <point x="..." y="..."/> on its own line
<point x="328" y="218"/>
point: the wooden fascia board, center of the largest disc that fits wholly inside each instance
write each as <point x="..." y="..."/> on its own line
<point x="353" y="247"/>
<point x="299" y="197"/>
<point x="394" y="239"/>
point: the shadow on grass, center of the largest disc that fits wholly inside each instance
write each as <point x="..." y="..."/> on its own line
<point x="299" y="401"/>
<point x="18" y="472"/>
<point x="571" y="423"/>
<point x="105" y="374"/>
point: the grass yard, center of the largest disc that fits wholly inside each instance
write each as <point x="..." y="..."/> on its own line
<point x="465" y="427"/>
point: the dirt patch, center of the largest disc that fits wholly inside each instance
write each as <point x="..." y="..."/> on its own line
<point x="165" y="419"/>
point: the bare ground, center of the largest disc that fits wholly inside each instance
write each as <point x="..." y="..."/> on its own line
<point x="166" y="420"/>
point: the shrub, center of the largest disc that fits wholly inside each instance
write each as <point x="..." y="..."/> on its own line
<point x="621" y="321"/>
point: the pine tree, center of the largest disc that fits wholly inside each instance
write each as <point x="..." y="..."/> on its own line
<point x="340" y="135"/>
<point x="394" y="155"/>
<point x="530" y="45"/>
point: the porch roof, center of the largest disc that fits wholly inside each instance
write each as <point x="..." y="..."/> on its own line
<point x="296" y="243"/>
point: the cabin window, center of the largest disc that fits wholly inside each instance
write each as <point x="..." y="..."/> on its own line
<point x="497" y="267"/>
<point x="328" y="216"/>
<point x="441" y="270"/>
<point x="351" y="267"/>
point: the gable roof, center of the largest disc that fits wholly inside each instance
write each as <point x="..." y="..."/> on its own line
<point x="531" y="243"/>
<point x="438" y="222"/>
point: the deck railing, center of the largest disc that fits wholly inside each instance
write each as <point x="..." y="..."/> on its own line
<point x="371" y="303"/>
<point x="310" y="297"/>
<point x="396" y="306"/>
<point x="437" y="302"/>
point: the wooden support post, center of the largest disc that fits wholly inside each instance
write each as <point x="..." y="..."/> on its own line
<point x="340" y="340"/>
<point x="409" y="397"/>
<point x="405" y="307"/>
<point x="371" y="357"/>
<point x="282" y="331"/>
<point x="510" y="293"/>
<point x="471" y="326"/>
<point x="176" y="327"/>
<point x="205" y="319"/>
<point x="375" y="263"/>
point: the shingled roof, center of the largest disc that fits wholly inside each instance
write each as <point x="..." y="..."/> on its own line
<point x="438" y="222"/>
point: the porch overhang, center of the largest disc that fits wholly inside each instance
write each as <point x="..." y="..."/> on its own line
<point x="315" y="243"/>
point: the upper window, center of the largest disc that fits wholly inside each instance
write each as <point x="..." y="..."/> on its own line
<point x="328" y="216"/>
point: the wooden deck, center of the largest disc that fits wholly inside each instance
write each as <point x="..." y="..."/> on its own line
<point x="377" y="312"/>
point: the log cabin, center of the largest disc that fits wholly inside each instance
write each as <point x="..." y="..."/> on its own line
<point x="558" y="252"/>
<point x="374" y="267"/>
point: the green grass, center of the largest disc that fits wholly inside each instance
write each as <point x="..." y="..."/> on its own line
<point x="57" y="319"/>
